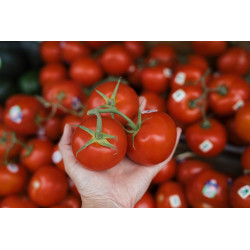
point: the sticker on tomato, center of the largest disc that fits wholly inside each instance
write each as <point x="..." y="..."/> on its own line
<point x="149" y="111"/>
<point x="167" y="72"/>
<point x="180" y="78"/>
<point x="210" y="189"/>
<point x="13" y="168"/>
<point x="179" y="95"/>
<point x="76" y="103"/>
<point x="175" y="200"/>
<point x="238" y="104"/>
<point x="244" y="191"/>
<point x="16" y="115"/>
<point x="56" y="157"/>
<point x="206" y="146"/>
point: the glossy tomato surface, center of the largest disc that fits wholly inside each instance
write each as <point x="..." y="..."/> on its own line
<point x="208" y="189"/>
<point x="48" y="186"/>
<point x="154" y="101"/>
<point x="183" y="106"/>
<point x="208" y="141"/>
<point x="50" y="51"/>
<point x="171" y="195"/>
<point x="71" y="120"/>
<point x="235" y="94"/>
<point x="166" y="173"/>
<point x="189" y="168"/>
<point x="146" y="201"/>
<point x="198" y="61"/>
<point x="209" y="48"/>
<point x="155" y="140"/>
<point x="135" y="48"/>
<point x="95" y="156"/>
<point x="13" y="178"/>
<point x="57" y="158"/>
<point x="240" y="192"/>
<point x="52" y="128"/>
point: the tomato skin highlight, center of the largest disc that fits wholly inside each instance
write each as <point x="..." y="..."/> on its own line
<point x="57" y="158"/>
<point x="39" y="156"/>
<point x="237" y="91"/>
<point x="171" y="195"/>
<point x="116" y="60"/>
<point x="155" y="140"/>
<point x="207" y="142"/>
<point x="48" y="186"/>
<point x="86" y="71"/>
<point x="190" y="168"/>
<point x="127" y="100"/>
<point x="242" y="122"/>
<point x="95" y="156"/>
<point x="166" y="173"/>
<point x="154" y="80"/>
<point x="209" y="48"/>
<point x="235" y="60"/>
<point x="21" y="114"/>
<point x="17" y="201"/>
<point x="239" y="198"/>
<point x="154" y="101"/>
<point x="146" y="201"/>
<point x="208" y="189"/>
<point x="180" y="109"/>
<point x="13" y="178"/>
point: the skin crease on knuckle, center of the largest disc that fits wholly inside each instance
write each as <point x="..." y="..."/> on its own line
<point x="118" y="187"/>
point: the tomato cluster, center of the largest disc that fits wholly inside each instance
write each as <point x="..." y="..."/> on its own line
<point x="206" y="93"/>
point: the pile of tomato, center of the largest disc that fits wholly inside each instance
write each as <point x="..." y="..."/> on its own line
<point x="95" y="87"/>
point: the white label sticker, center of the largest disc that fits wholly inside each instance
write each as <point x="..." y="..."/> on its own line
<point x="167" y="72"/>
<point x="41" y="132"/>
<point x="149" y="111"/>
<point x="206" y="146"/>
<point x="238" y="104"/>
<point x="16" y="114"/>
<point x="180" y="78"/>
<point x="179" y="95"/>
<point x="210" y="189"/>
<point x="56" y="157"/>
<point x="13" y="168"/>
<point x="175" y="200"/>
<point x="244" y="191"/>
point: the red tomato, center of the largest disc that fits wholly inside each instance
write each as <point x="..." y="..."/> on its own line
<point x="186" y="75"/>
<point x="1" y="114"/>
<point x="71" y="120"/>
<point x="210" y="48"/>
<point x="206" y="141"/>
<point x="38" y="155"/>
<point x="154" y="101"/>
<point x="50" y="51"/>
<point x="181" y="104"/>
<point x="208" y="189"/>
<point x="67" y="93"/>
<point x="199" y="62"/>
<point x="233" y="94"/>
<point x="116" y="60"/>
<point x="240" y="191"/>
<point x="126" y="100"/>
<point x="245" y="159"/>
<point x="157" y="133"/>
<point x="48" y="186"/>
<point x="17" y="201"/>
<point x="146" y="201"/>
<point x="70" y="201"/>
<point x="171" y="195"/>
<point x="57" y="158"/>
<point x="164" y="54"/>
<point x="22" y="114"/>
<point x="134" y="75"/>
<point x="135" y="48"/>
<point x="5" y="143"/>
<point x="97" y="44"/>
<point x="242" y="122"/>
<point x="13" y="178"/>
<point x="190" y="168"/>
<point x="234" y="61"/>
<point x="86" y="71"/>
<point x="95" y="156"/>
<point x="166" y="173"/>
<point x="53" y="128"/>
<point x="155" y="79"/>
<point x="72" y="50"/>
<point x="52" y="72"/>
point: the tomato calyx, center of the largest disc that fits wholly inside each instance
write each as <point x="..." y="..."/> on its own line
<point x="222" y="90"/>
<point x="97" y="136"/>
